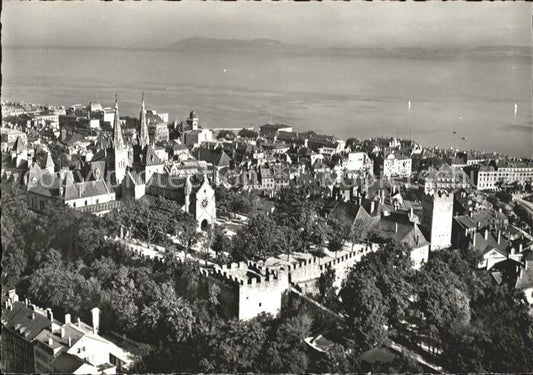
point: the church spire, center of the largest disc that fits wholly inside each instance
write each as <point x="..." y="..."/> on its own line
<point x="118" y="140"/>
<point x="144" y="137"/>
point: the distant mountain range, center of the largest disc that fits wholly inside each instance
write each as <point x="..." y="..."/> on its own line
<point x="275" y="46"/>
<point x="209" y="44"/>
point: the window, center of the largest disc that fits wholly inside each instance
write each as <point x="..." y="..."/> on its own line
<point x="86" y="203"/>
<point x="259" y="304"/>
<point x="74" y="204"/>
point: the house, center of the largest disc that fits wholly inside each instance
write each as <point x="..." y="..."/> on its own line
<point x="21" y="324"/>
<point x="34" y="342"/>
<point x="266" y="178"/>
<point x="393" y="165"/>
<point x="196" y="137"/>
<point x="91" y="196"/>
<point x="464" y="226"/>
<point x="445" y="177"/>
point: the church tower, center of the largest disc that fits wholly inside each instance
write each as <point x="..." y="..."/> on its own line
<point x="144" y="137"/>
<point x="437" y="218"/>
<point x="192" y="121"/>
<point x="119" y="148"/>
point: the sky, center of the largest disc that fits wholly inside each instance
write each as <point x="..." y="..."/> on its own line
<point x="344" y="24"/>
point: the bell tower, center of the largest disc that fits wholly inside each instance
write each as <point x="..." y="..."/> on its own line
<point x="144" y="137"/>
<point x="119" y="147"/>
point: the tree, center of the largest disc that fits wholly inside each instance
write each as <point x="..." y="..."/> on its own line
<point x="338" y="232"/>
<point x="226" y="134"/>
<point x="260" y="238"/>
<point x="247" y="133"/>
<point x="168" y="315"/>
<point x="358" y="231"/>
<point x="364" y="306"/>
<point x="286" y="351"/>
<point x="221" y="242"/>
<point x="233" y="347"/>
<point x="326" y="288"/>
<point x="441" y="300"/>
<point x="391" y="267"/>
<point x="335" y="361"/>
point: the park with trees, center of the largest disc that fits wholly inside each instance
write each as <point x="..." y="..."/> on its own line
<point x="64" y="259"/>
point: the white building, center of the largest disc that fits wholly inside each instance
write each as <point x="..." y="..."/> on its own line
<point x="396" y="166"/>
<point x="492" y="178"/>
<point x="196" y="137"/>
<point x="358" y="161"/>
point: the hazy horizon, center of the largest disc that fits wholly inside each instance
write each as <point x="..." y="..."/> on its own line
<point x="154" y="25"/>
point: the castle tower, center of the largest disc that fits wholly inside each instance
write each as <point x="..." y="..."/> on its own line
<point x="437" y="218"/>
<point x="144" y="138"/>
<point x="119" y="147"/>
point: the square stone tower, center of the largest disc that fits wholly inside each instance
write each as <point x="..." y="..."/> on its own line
<point x="437" y="218"/>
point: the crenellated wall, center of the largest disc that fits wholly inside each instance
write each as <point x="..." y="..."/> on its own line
<point x="248" y="289"/>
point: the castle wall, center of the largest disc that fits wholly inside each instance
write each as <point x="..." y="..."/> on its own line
<point x="228" y="296"/>
<point x="262" y="295"/>
<point x="247" y="290"/>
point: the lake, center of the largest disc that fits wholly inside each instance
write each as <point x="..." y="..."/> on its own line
<point x="347" y="95"/>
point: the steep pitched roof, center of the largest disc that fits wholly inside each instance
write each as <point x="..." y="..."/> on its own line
<point x="146" y="156"/>
<point x="89" y="189"/>
<point x="24" y="321"/>
<point x="491" y="243"/>
<point x="66" y="363"/>
<point x="218" y="157"/>
<point x="19" y="145"/>
<point x="401" y="230"/>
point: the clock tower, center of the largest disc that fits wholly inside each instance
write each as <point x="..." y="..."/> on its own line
<point x="204" y="205"/>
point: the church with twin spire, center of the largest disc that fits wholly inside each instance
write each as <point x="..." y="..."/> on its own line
<point x="139" y="173"/>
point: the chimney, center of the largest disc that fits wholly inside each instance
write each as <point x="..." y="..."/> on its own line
<point x="486" y="234"/>
<point x="50" y="341"/>
<point x="417" y="239"/>
<point x="474" y="239"/>
<point x="26" y="301"/>
<point x="96" y="319"/>
<point x="395" y="227"/>
<point x="50" y="314"/>
<point x="372" y="206"/>
<point x="499" y="236"/>
<point x="62" y="332"/>
<point x="79" y="322"/>
<point x="69" y="341"/>
<point x="520" y="248"/>
<point x="32" y="316"/>
<point x="67" y="318"/>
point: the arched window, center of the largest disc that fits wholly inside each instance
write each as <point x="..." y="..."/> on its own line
<point x="74" y="204"/>
<point x="86" y="203"/>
